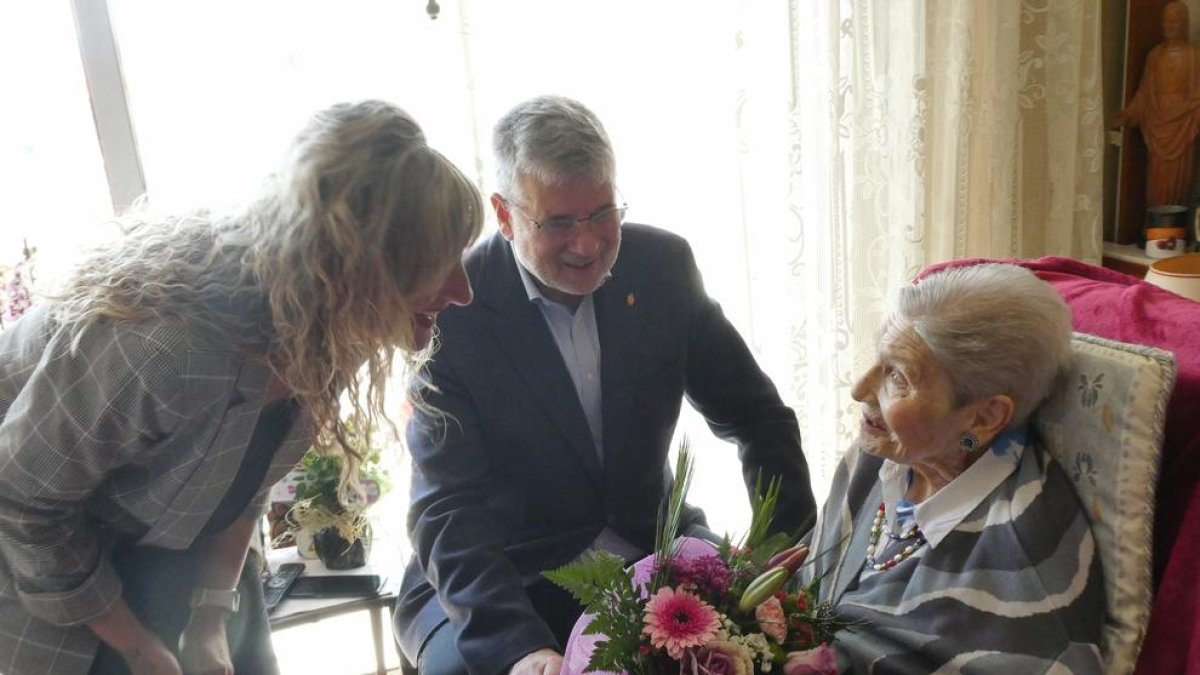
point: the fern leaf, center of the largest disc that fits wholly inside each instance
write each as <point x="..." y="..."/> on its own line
<point x="592" y="575"/>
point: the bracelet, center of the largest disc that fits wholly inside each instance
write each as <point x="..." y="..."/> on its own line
<point x="207" y="597"/>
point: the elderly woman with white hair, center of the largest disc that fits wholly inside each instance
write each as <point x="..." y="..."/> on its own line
<point x="952" y="538"/>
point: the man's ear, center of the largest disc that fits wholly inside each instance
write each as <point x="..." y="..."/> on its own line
<point x="503" y="215"/>
<point x="991" y="417"/>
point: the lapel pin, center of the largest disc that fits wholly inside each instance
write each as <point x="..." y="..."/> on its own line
<point x="631" y="300"/>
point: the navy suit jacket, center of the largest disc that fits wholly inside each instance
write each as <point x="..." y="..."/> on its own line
<point x="506" y="479"/>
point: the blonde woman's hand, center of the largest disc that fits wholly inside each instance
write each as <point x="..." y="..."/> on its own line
<point x="151" y="658"/>
<point x="140" y="648"/>
<point x="203" y="646"/>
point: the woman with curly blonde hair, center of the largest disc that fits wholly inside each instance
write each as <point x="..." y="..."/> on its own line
<point x="184" y="368"/>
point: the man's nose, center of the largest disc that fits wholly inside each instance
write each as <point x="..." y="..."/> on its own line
<point x="585" y="242"/>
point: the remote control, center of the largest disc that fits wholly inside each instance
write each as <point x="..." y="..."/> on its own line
<point x="276" y="586"/>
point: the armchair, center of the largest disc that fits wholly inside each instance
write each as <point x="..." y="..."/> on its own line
<point x="1128" y="310"/>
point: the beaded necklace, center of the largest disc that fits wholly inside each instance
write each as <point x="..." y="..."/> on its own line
<point x="877" y="531"/>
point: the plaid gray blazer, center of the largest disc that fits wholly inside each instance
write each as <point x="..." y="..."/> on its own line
<point x="136" y="434"/>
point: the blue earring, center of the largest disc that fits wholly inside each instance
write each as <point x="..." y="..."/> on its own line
<point x="968" y="441"/>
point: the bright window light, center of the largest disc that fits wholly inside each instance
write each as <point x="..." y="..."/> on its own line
<point x="51" y="171"/>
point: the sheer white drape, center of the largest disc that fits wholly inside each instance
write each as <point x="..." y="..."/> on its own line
<point x="918" y="132"/>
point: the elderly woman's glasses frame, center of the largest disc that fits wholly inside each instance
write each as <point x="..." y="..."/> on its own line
<point x="609" y="217"/>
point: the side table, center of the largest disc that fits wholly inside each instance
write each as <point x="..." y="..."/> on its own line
<point x="298" y="611"/>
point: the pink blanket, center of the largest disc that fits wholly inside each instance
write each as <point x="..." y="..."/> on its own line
<point x="1120" y="307"/>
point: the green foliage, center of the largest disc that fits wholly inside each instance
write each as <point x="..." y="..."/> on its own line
<point x="589" y="577"/>
<point x="757" y="545"/>
<point x="599" y="580"/>
<point x="762" y="512"/>
<point x="319" y="485"/>
<point x="322" y="501"/>
<point x="812" y="622"/>
<point x="670" y="513"/>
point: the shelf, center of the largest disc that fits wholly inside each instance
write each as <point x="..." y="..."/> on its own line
<point x="1128" y="259"/>
<point x="1131" y="253"/>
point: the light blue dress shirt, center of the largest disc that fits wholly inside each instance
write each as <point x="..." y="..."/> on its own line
<point x="578" y="341"/>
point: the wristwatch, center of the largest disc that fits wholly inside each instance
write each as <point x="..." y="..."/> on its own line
<point x="207" y="597"/>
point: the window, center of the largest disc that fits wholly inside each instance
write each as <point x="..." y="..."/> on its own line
<point x="217" y="89"/>
<point x="50" y="165"/>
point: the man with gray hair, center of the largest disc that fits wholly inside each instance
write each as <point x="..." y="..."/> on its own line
<point x="549" y="409"/>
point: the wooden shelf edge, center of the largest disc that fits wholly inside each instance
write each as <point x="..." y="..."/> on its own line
<point x="1128" y="259"/>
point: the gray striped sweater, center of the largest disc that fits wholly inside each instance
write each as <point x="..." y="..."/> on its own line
<point x="1016" y="587"/>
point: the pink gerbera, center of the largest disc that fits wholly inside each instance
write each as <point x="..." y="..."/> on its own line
<point x="676" y="620"/>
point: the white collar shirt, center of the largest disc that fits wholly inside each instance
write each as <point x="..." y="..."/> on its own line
<point x="938" y="515"/>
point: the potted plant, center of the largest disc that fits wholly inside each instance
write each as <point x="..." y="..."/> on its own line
<point x="337" y="520"/>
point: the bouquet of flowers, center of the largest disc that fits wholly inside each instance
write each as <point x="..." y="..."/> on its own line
<point x="698" y="608"/>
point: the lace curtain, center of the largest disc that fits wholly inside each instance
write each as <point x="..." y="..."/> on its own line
<point x="919" y="132"/>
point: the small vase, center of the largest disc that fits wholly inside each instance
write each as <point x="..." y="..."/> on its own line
<point x="338" y="554"/>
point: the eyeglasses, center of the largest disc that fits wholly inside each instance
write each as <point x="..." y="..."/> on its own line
<point x="609" y="217"/>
